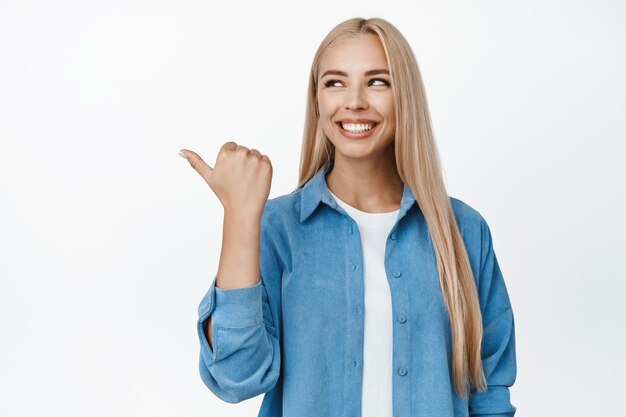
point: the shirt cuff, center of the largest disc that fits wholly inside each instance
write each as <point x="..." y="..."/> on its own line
<point x="236" y="307"/>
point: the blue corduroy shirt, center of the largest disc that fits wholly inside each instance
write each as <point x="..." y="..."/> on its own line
<point x="297" y="335"/>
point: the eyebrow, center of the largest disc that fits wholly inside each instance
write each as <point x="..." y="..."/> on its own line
<point x="344" y="74"/>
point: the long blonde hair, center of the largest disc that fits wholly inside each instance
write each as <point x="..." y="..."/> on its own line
<point x="417" y="162"/>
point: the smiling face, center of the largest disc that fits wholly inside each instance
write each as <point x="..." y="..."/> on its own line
<point x="354" y="87"/>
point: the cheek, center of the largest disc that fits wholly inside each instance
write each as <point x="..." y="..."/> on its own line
<point x="386" y="106"/>
<point x="325" y="105"/>
<point x="326" y="114"/>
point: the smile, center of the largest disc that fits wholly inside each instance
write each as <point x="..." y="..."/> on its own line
<point x="356" y="127"/>
<point x="357" y="130"/>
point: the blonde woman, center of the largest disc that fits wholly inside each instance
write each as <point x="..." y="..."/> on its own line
<point x="367" y="291"/>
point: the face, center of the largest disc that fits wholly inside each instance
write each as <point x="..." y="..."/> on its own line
<point x="355" y="98"/>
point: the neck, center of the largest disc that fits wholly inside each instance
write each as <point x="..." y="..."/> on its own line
<point x="370" y="186"/>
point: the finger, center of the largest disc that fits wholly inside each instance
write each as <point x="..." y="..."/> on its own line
<point x="229" y="146"/>
<point x="198" y="164"/>
<point x="242" y="148"/>
<point x="255" y="152"/>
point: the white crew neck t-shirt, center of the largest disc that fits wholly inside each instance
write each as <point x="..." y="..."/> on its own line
<point x="376" y="400"/>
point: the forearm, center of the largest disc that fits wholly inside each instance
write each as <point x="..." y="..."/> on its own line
<point x="239" y="258"/>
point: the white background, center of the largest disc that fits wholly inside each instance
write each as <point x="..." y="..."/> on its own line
<point x="109" y="239"/>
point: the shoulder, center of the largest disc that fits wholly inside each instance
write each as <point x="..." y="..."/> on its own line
<point x="467" y="217"/>
<point x="474" y="229"/>
<point x="279" y="226"/>
<point x="281" y="215"/>
<point x="282" y="208"/>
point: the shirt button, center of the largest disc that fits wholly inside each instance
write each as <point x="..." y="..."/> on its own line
<point x="401" y="318"/>
<point x="397" y="274"/>
<point x="393" y="236"/>
<point x="353" y="267"/>
<point x="351" y="229"/>
<point x="354" y="363"/>
<point x="402" y="371"/>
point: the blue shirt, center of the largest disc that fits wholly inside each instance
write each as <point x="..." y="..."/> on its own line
<point x="297" y="335"/>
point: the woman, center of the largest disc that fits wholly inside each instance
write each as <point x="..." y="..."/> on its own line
<point x="378" y="293"/>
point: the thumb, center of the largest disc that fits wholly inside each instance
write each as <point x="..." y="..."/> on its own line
<point x="197" y="163"/>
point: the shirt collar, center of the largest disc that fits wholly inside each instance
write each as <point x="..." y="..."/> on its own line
<point x="316" y="191"/>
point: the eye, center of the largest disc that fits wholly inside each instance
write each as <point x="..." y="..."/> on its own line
<point x="330" y="83"/>
<point x="385" y="82"/>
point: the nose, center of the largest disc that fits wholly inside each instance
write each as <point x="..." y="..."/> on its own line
<point x="356" y="99"/>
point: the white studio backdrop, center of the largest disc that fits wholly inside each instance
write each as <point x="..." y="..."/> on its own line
<point x="109" y="239"/>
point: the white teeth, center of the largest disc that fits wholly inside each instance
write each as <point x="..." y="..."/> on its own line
<point x="356" y="127"/>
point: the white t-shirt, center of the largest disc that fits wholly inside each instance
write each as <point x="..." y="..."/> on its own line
<point x="374" y="228"/>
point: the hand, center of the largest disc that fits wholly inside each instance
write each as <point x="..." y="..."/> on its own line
<point x="241" y="178"/>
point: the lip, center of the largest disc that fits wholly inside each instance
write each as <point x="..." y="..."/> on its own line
<point x="362" y="135"/>
<point x="357" y="121"/>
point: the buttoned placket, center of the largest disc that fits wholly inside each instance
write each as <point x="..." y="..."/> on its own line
<point x="356" y="322"/>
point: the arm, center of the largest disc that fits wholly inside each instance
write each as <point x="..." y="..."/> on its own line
<point x="498" y="343"/>
<point x="239" y="259"/>
<point x="241" y="358"/>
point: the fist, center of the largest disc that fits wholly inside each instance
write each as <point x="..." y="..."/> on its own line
<point x="241" y="178"/>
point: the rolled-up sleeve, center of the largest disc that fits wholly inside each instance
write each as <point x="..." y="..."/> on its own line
<point x="245" y="359"/>
<point x="498" y="343"/>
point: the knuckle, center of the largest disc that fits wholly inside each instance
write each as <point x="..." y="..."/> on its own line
<point x="228" y="147"/>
